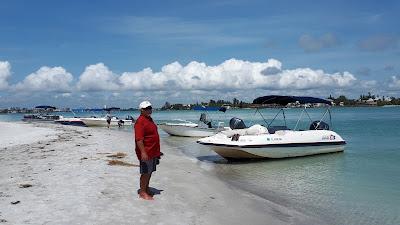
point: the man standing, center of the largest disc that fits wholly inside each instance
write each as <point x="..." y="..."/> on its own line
<point x="147" y="147"/>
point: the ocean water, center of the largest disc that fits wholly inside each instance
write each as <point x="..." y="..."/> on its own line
<point x="359" y="186"/>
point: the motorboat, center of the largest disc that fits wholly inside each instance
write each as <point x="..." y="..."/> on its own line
<point x="43" y="115"/>
<point x="188" y="129"/>
<point x="203" y="128"/>
<point x="102" y="121"/>
<point x="257" y="141"/>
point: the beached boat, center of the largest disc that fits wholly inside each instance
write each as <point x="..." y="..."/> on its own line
<point x="203" y="128"/>
<point x="276" y="141"/>
<point x="70" y="121"/>
<point x="102" y="121"/>
<point x="188" y="129"/>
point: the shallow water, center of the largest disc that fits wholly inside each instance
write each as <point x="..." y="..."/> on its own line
<point x="359" y="186"/>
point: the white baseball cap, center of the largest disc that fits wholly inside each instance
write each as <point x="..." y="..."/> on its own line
<point x="144" y="104"/>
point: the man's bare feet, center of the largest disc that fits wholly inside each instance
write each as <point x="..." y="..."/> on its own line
<point x="145" y="196"/>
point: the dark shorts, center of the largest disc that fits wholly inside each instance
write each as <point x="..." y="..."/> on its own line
<point x="148" y="166"/>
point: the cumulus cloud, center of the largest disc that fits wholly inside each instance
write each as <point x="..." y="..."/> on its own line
<point x="191" y="82"/>
<point x="379" y="43"/>
<point x="232" y="74"/>
<point x="5" y="73"/>
<point x="98" y="78"/>
<point x="314" y="44"/>
<point x="46" y="79"/>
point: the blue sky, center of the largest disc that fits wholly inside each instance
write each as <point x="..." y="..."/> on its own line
<point x="82" y="42"/>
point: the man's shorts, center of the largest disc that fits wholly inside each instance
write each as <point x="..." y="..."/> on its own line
<point x="148" y="166"/>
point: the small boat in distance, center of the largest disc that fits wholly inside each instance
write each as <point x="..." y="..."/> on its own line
<point x="43" y="115"/>
<point x="269" y="141"/>
<point x="102" y="121"/>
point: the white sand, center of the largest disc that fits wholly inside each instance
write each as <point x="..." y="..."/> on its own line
<point x="22" y="133"/>
<point x="73" y="184"/>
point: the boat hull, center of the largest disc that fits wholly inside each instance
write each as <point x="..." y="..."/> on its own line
<point x="71" y="122"/>
<point x="275" y="152"/>
<point x="187" y="131"/>
<point x="282" y="144"/>
<point x="102" y="122"/>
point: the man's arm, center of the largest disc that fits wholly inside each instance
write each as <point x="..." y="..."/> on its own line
<point x="143" y="153"/>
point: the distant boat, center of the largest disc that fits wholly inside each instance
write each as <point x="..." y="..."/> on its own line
<point x="102" y="121"/>
<point x="42" y="116"/>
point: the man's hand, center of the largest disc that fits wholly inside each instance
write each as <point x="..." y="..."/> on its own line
<point x="144" y="156"/>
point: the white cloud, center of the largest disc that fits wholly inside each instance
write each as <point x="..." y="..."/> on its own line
<point x="46" y="79"/>
<point x="5" y="73"/>
<point x="232" y="74"/>
<point x="98" y="78"/>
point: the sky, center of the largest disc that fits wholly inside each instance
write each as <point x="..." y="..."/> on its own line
<point x="119" y="53"/>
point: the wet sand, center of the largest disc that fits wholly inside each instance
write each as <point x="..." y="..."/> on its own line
<point x="64" y="176"/>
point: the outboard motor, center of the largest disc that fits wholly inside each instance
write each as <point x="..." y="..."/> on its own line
<point x="203" y="118"/>
<point x="317" y="125"/>
<point x="236" y="123"/>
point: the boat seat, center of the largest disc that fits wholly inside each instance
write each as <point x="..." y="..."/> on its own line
<point x="253" y="130"/>
<point x="273" y="129"/>
<point x="317" y="125"/>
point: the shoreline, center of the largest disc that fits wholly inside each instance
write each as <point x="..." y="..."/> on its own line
<point x="71" y="182"/>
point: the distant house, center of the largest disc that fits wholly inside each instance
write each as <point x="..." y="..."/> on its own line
<point x="371" y="102"/>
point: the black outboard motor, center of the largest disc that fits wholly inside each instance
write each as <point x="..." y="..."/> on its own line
<point x="203" y="118"/>
<point x="317" y="125"/>
<point x="236" y="123"/>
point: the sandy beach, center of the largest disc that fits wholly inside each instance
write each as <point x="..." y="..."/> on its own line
<point x="54" y="174"/>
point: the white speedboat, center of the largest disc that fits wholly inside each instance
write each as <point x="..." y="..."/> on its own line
<point x="188" y="129"/>
<point x="276" y="141"/>
<point x="102" y="121"/>
<point x="183" y="128"/>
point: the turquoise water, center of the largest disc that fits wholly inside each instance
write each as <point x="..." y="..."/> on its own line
<point x="359" y="186"/>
